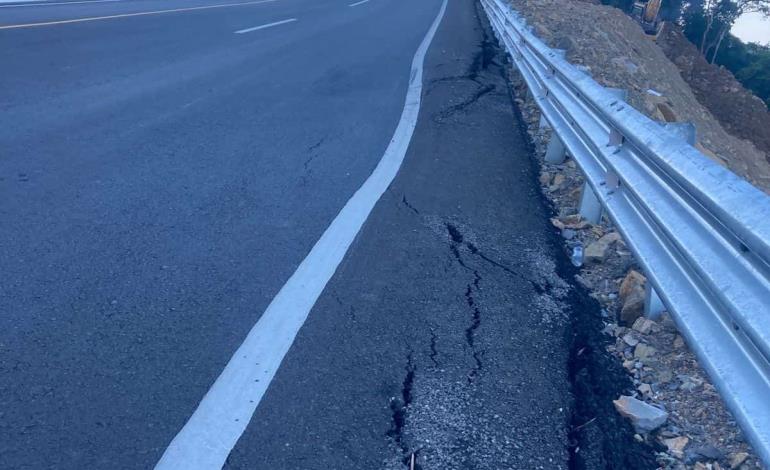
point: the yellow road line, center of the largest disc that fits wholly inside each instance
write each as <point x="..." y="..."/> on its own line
<point x="125" y="15"/>
<point x="22" y="5"/>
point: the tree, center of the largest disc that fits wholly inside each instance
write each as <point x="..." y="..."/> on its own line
<point x="750" y="63"/>
<point x="694" y="21"/>
<point x="720" y="15"/>
<point x="671" y="10"/>
<point x="756" y="75"/>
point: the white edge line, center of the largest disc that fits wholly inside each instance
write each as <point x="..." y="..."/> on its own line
<point x="357" y="3"/>
<point x="208" y="437"/>
<point x="269" y="25"/>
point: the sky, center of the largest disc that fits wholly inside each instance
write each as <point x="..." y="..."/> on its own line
<point x="752" y="27"/>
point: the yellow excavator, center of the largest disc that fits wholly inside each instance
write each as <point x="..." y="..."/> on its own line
<point x="646" y="13"/>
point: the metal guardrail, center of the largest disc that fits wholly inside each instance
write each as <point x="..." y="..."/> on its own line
<point x="701" y="233"/>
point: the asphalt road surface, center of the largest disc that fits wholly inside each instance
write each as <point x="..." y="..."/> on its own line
<point x="165" y="168"/>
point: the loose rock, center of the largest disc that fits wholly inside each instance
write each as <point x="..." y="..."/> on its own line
<point x="557" y="182"/>
<point x="736" y="460"/>
<point x="610" y="47"/>
<point x="643" y="351"/>
<point x="676" y="445"/>
<point x="643" y="416"/>
<point x="643" y="325"/>
<point x="704" y="452"/>
<point x="633" y="281"/>
<point x="597" y="251"/>
<point x="633" y="307"/>
<point x="574" y="222"/>
<point x="630" y="339"/>
<point x="632" y="298"/>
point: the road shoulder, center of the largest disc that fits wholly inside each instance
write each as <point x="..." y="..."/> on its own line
<point x="443" y="333"/>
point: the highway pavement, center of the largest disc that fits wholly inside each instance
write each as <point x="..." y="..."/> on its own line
<point x="183" y="178"/>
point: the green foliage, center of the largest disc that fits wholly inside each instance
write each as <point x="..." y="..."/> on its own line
<point x="734" y="55"/>
<point x="756" y="75"/>
<point x="750" y="63"/>
<point x="671" y="10"/>
<point x="694" y="21"/>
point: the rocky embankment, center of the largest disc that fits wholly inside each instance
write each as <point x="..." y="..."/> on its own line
<point x="673" y="407"/>
<point x="617" y="53"/>
<point x="740" y="112"/>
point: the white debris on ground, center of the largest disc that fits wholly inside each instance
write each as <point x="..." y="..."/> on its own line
<point x="674" y="407"/>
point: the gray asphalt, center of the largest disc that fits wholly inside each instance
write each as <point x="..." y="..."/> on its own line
<point x="454" y="318"/>
<point x="160" y="179"/>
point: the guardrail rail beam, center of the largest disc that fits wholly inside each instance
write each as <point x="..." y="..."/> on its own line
<point x="700" y="233"/>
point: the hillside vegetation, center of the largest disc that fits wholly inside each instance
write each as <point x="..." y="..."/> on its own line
<point x="707" y="23"/>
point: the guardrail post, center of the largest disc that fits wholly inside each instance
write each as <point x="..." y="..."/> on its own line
<point x="528" y="94"/>
<point x="543" y="123"/>
<point x="685" y="130"/>
<point x="590" y="206"/>
<point x="620" y="93"/>
<point x="555" y="153"/>
<point x="671" y="210"/>
<point x="616" y="138"/>
<point x="653" y="306"/>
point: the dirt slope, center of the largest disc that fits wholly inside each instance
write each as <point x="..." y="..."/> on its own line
<point x="738" y="110"/>
<point x="617" y="53"/>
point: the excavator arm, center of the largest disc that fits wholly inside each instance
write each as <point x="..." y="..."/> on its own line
<point x="651" y="11"/>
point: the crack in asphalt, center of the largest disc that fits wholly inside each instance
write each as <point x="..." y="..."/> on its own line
<point x="313" y="154"/>
<point x="456" y="108"/>
<point x="456" y="253"/>
<point x="399" y="407"/>
<point x="433" y="350"/>
<point x="351" y="309"/>
<point x="352" y="314"/>
<point x="455" y="78"/>
<point x="470" y="332"/>
<point x="455" y="234"/>
<point x="595" y="379"/>
<point x="480" y="63"/>
<point x="458" y="240"/>
<point x="409" y="206"/>
<point x="535" y="285"/>
<point x="483" y="58"/>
